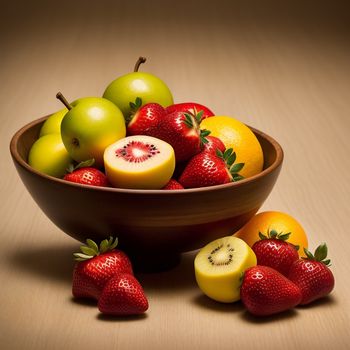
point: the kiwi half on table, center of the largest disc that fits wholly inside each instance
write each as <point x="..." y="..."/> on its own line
<point x="219" y="267"/>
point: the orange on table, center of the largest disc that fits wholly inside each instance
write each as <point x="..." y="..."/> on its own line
<point x="274" y="220"/>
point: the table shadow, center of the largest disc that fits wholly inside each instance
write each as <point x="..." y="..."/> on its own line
<point x="53" y="263"/>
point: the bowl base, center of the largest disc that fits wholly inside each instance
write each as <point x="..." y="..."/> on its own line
<point x="154" y="263"/>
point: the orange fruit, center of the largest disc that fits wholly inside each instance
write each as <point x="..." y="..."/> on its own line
<point x="236" y="135"/>
<point x="274" y="220"/>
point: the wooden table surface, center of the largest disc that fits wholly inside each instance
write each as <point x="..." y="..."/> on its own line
<point x="282" y="67"/>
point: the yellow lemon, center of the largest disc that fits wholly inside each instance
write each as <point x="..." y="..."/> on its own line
<point x="234" y="134"/>
<point x="274" y="220"/>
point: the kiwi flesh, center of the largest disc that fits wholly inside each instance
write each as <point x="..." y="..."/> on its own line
<point x="220" y="265"/>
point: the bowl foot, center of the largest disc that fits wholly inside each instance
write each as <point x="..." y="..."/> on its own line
<point x="154" y="262"/>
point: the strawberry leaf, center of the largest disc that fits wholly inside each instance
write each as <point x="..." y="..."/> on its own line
<point x="88" y="251"/>
<point x="262" y="236"/>
<point x="237" y="177"/>
<point x="327" y="262"/>
<point x="283" y="236"/>
<point x="273" y="234"/>
<point x="308" y="254"/>
<point x="203" y="134"/>
<point x="235" y="168"/>
<point x="228" y="153"/>
<point x="219" y="154"/>
<point x="114" y="244"/>
<point x="104" y="246"/>
<point x="231" y="159"/>
<point x="81" y="256"/>
<point x="321" y="252"/>
<point x="92" y="245"/>
<point x="198" y="116"/>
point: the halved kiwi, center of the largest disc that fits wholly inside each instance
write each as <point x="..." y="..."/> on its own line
<point x="139" y="161"/>
<point x="219" y="267"/>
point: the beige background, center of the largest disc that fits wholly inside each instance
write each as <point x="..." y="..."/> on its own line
<point x="281" y="67"/>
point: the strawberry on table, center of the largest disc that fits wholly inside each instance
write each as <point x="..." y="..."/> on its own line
<point x="209" y="169"/>
<point x="85" y="174"/>
<point x="265" y="291"/>
<point x="122" y="295"/>
<point x="313" y="275"/>
<point x="273" y="250"/>
<point x="145" y="118"/>
<point x="96" y="265"/>
<point x="190" y="107"/>
<point x="181" y="130"/>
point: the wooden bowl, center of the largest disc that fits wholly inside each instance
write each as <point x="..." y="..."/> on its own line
<point x="154" y="226"/>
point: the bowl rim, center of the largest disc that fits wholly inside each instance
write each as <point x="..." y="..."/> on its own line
<point x="14" y="152"/>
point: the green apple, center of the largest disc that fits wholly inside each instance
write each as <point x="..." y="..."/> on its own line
<point x="124" y="90"/>
<point x="52" y="124"/>
<point x="48" y="155"/>
<point x="90" y="125"/>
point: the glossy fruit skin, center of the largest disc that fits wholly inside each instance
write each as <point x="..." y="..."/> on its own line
<point x="94" y="123"/>
<point x="122" y="296"/>
<point x="205" y="169"/>
<point x="173" y="185"/>
<point x="234" y="134"/>
<point x="52" y="124"/>
<point x="185" y="140"/>
<point x="90" y="276"/>
<point x="191" y="107"/>
<point x="224" y="285"/>
<point x="276" y="254"/>
<point x="314" y="279"/>
<point x="146" y="119"/>
<point x="128" y="87"/>
<point x="213" y="144"/>
<point x="281" y="222"/>
<point x="49" y="155"/>
<point x="265" y="291"/>
<point x="88" y="176"/>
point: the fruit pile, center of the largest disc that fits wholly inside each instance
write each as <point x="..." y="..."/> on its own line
<point x="105" y="274"/>
<point x="136" y="137"/>
<point x="270" y="274"/>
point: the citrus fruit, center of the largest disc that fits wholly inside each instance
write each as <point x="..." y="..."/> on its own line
<point x="274" y="220"/>
<point x="234" y="134"/>
<point x="219" y="267"/>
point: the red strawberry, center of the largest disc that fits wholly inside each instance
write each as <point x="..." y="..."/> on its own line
<point x="173" y="185"/>
<point x="123" y="295"/>
<point x="145" y="119"/>
<point x="83" y="173"/>
<point x="182" y="131"/>
<point x="265" y="291"/>
<point x="273" y="250"/>
<point x="208" y="169"/>
<point x="312" y="275"/>
<point x="213" y="144"/>
<point x="96" y="265"/>
<point x="190" y="107"/>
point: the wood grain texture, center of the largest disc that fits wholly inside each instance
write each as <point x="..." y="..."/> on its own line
<point x="282" y="67"/>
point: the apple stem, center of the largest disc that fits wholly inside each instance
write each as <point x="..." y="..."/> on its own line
<point x="63" y="100"/>
<point x="139" y="62"/>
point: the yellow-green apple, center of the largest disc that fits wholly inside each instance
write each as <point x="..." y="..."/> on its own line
<point x="52" y="124"/>
<point x="144" y="87"/>
<point x="90" y="125"/>
<point x="49" y="155"/>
